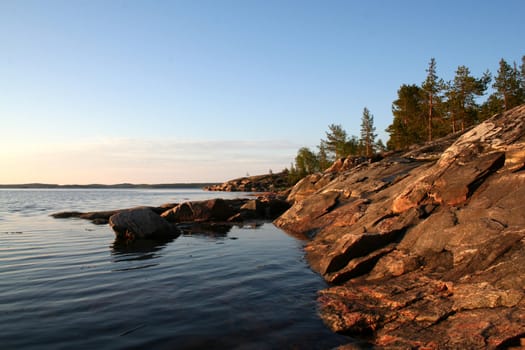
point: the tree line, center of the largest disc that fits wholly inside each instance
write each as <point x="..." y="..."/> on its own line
<point x="437" y="108"/>
<point x="424" y="112"/>
<point x="337" y="144"/>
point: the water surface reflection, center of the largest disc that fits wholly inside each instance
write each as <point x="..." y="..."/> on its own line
<point x="69" y="284"/>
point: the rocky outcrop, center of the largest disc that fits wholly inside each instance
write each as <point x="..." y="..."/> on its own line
<point x="210" y="210"/>
<point x="232" y="210"/>
<point x="309" y="185"/>
<point x="259" y="183"/>
<point x="350" y="162"/>
<point x="102" y="217"/>
<point x="424" y="249"/>
<point x="168" y="219"/>
<point x="98" y="217"/>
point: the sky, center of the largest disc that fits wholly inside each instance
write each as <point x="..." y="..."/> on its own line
<point x="209" y="90"/>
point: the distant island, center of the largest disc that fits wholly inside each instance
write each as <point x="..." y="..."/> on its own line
<point x="100" y="186"/>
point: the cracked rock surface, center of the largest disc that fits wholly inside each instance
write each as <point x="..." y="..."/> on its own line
<point x="425" y="249"/>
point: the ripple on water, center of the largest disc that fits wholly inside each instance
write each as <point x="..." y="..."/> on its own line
<point x="67" y="284"/>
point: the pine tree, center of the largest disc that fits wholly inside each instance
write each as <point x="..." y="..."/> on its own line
<point x="324" y="162"/>
<point x="461" y="94"/>
<point x="352" y="146"/>
<point x="490" y="107"/>
<point x="522" y="71"/>
<point x="408" y="126"/>
<point x="380" y="146"/>
<point x="293" y="175"/>
<point x="335" y="144"/>
<point x="433" y="87"/>
<point x="521" y="77"/>
<point x="306" y="162"/>
<point x="367" y="133"/>
<point x="508" y="85"/>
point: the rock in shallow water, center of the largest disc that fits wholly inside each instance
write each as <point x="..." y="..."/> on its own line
<point x="140" y="223"/>
<point x="208" y="210"/>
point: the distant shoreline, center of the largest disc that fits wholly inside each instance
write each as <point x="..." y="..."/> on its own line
<point x="100" y="186"/>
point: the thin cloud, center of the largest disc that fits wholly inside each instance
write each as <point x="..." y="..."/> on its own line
<point x="145" y="161"/>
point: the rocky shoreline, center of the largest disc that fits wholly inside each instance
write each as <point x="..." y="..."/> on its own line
<point x="171" y="219"/>
<point x="259" y="183"/>
<point x="423" y="249"/>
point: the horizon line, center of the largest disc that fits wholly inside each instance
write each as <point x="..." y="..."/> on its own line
<point x="37" y="185"/>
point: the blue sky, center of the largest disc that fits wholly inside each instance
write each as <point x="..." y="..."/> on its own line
<point x="181" y="91"/>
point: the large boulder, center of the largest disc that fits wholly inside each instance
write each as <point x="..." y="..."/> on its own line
<point x="141" y="223"/>
<point x="102" y="217"/>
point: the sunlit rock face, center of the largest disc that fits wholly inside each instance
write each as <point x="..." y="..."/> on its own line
<point x="424" y="249"/>
<point x="259" y="183"/>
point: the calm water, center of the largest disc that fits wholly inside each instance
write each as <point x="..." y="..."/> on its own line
<point x="65" y="284"/>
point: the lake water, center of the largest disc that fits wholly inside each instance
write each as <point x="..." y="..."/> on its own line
<point x="65" y="284"/>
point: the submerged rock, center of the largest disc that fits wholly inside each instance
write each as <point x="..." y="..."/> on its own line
<point x="97" y="217"/>
<point x="424" y="249"/>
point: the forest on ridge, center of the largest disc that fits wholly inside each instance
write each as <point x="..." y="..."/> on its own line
<point x="421" y="113"/>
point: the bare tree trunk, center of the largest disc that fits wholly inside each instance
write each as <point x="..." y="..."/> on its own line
<point x="430" y="102"/>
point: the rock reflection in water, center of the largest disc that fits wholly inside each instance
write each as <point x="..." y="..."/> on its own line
<point x="67" y="284"/>
<point x="214" y="230"/>
<point x="144" y="249"/>
<point x="140" y="249"/>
